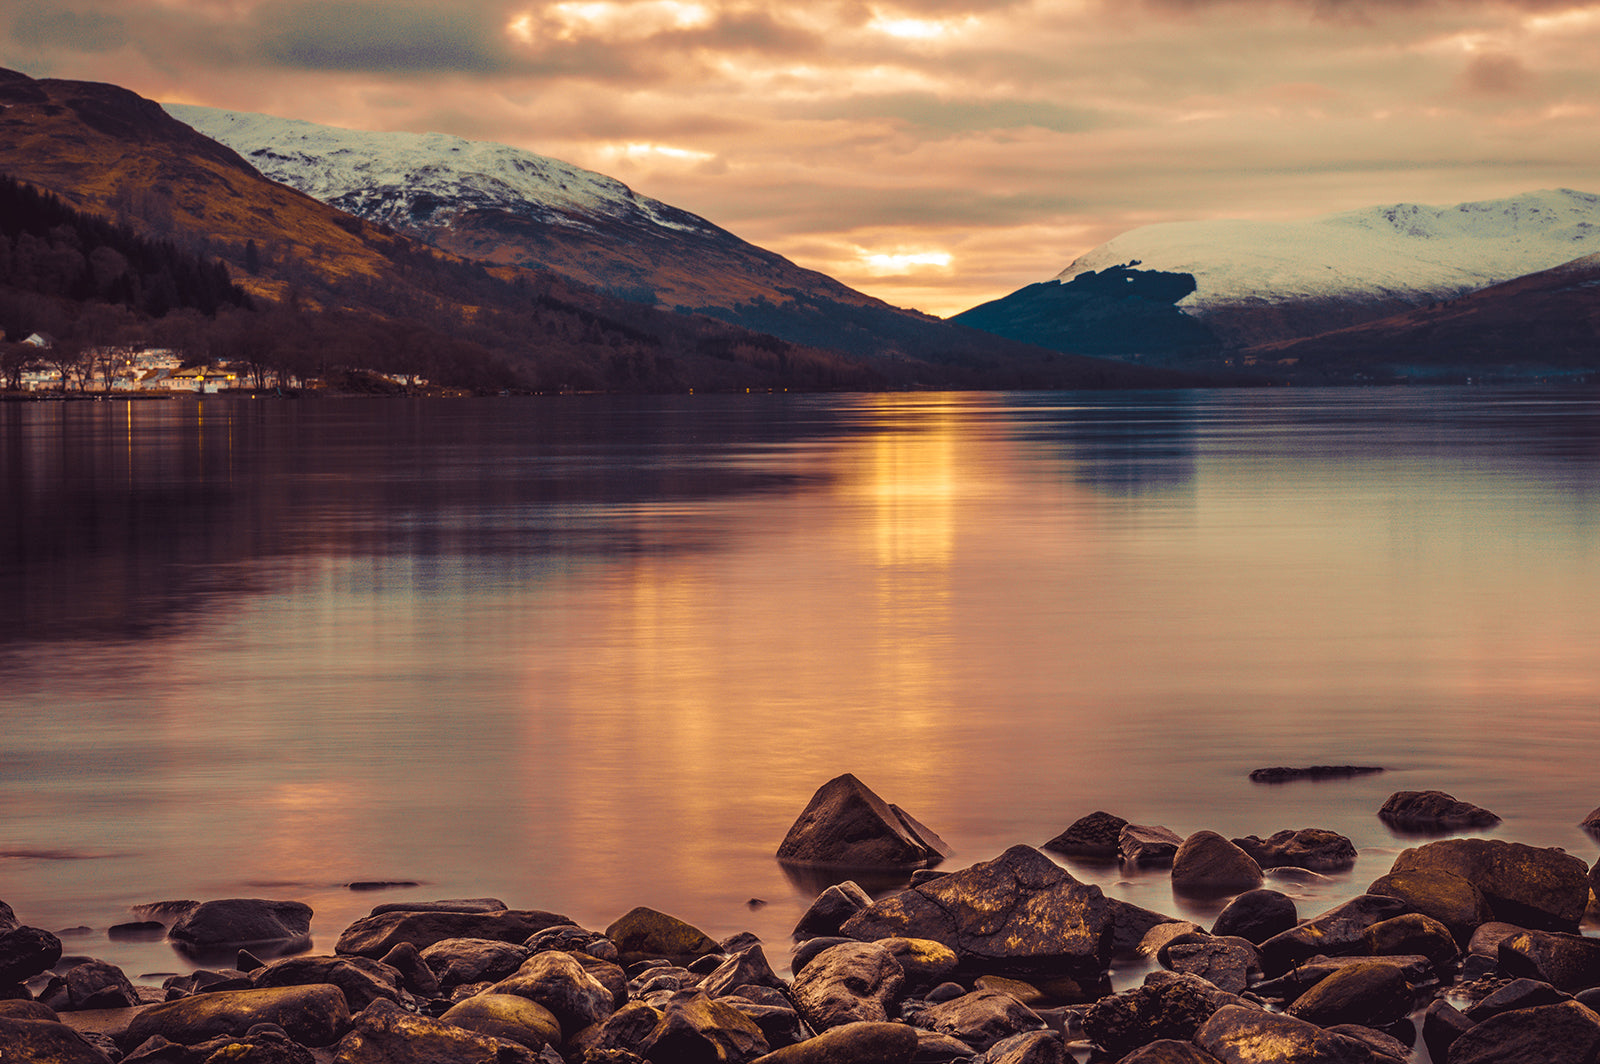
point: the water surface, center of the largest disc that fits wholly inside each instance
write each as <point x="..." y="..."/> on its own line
<point x="586" y="654"/>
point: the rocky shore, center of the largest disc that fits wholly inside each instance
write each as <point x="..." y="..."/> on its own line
<point x="1466" y="951"/>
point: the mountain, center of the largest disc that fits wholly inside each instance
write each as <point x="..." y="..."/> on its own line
<point x="1542" y="326"/>
<point x="502" y="205"/>
<point x="1262" y="282"/>
<point x="332" y="290"/>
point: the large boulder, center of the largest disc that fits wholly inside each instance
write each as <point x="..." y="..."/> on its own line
<point x="1570" y="962"/>
<point x="1094" y="836"/>
<point x="832" y="908"/>
<point x="1257" y="915"/>
<point x="863" y="1042"/>
<point x="694" y="1027"/>
<point x="1208" y="862"/>
<point x="361" y="979"/>
<point x="1433" y="811"/>
<point x="1317" y="849"/>
<point x="25" y="952"/>
<point x="507" y="1017"/>
<point x="1566" y="1033"/>
<point x="1169" y="1051"/>
<point x="1533" y="887"/>
<point x="1019" y="913"/>
<point x="980" y="1019"/>
<point x="1372" y="993"/>
<point x="560" y="983"/>
<point x="46" y="1042"/>
<point x="1445" y="896"/>
<point x="258" y="924"/>
<point x="1237" y="1034"/>
<point x="1229" y="964"/>
<point x="748" y="967"/>
<point x="1151" y="845"/>
<point x="848" y="983"/>
<point x="457" y="961"/>
<point x="1337" y="931"/>
<point x="311" y="1015"/>
<point x="1166" y="1007"/>
<point x="376" y="935"/>
<point x="644" y="934"/>
<point x="383" y="1033"/>
<point x="95" y="985"/>
<point x="926" y="963"/>
<point x="1412" y="934"/>
<point x="846" y="825"/>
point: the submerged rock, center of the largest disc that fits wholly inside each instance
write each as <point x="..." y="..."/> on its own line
<point x="1092" y="836"/>
<point x="847" y="825"/>
<point x="1208" y="862"/>
<point x="1433" y="810"/>
<point x="235" y="922"/>
<point x="1317" y="849"/>
<point x="1148" y="844"/>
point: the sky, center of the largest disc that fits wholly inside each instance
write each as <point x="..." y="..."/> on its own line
<point x="934" y="153"/>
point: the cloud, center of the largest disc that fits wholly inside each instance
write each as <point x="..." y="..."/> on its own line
<point x="379" y="38"/>
<point x="45" y="26"/>
<point x="1496" y="74"/>
<point x="939" y="114"/>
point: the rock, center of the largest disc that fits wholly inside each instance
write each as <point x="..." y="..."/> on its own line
<point x="1387" y="1046"/>
<point x="1208" y="862"/>
<point x="28" y="1010"/>
<point x="626" y="1029"/>
<point x="311" y="1015"/>
<point x="1156" y="939"/>
<point x="25" y="952"/>
<point x="137" y="931"/>
<point x="645" y="934"/>
<point x="44" y="1042"/>
<point x="8" y="918"/>
<point x="1171" y="1007"/>
<point x="1026" y="993"/>
<point x="1486" y="940"/>
<point x="936" y="1048"/>
<point x="806" y="951"/>
<point x="1314" y="772"/>
<point x="1412" y="933"/>
<point x="607" y="975"/>
<point x="567" y="939"/>
<point x="373" y="936"/>
<point x="1169" y="1051"/>
<point x="1336" y="931"/>
<point x="415" y="974"/>
<point x="694" y="1027"/>
<point x="747" y="968"/>
<point x="204" y="981"/>
<point x="98" y="985"/>
<point x="831" y="909"/>
<point x="846" y="825"/>
<point x="1020" y="913"/>
<point x="1533" y="887"/>
<point x="925" y="962"/>
<point x="1317" y="849"/>
<point x="856" y="1043"/>
<point x="1445" y="896"/>
<point x="856" y="981"/>
<point x="383" y="1033"/>
<point x="1130" y="924"/>
<point x="1094" y="836"/>
<point x="780" y="1024"/>
<point x="1442" y="1024"/>
<point x="1433" y="810"/>
<point x="448" y="905"/>
<point x="1228" y="964"/>
<point x="1236" y="1034"/>
<point x="455" y="961"/>
<point x="980" y="1018"/>
<point x="1289" y="986"/>
<point x="559" y="983"/>
<point x="1566" y="1033"/>
<point x="1517" y="994"/>
<point x="361" y="979"/>
<point x="1570" y="962"/>
<point x="1148" y="844"/>
<point x="507" y="1017"/>
<point x="1030" y="1047"/>
<point x="257" y="923"/>
<point x="1257" y="915"/>
<point x="1373" y="993"/>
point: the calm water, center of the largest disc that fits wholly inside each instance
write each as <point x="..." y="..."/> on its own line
<point x="587" y="654"/>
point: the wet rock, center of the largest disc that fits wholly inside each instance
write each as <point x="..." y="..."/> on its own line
<point x="1317" y="849"/>
<point x="137" y="931"/>
<point x="383" y="1033"/>
<point x="311" y="1015"/>
<point x="44" y="1042"/>
<point x="1448" y="898"/>
<point x="626" y="1029"/>
<point x="1412" y="933"/>
<point x="1433" y="810"/>
<point x="1208" y="862"/>
<point x="1571" y="962"/>
<point x="1533" y="887"/>
<point x="1156" y="939"/>
<point x="855" y="981"/>
<point x="1171" y="1007"/>
<point x="559" y="983"/>
<point x="25" y="952"/>
<point x="1169" y="1051"/>
<point x="234" y="922"/>
<point x="1314" y="772"/>
<point x="806" y="951"/>
<point x="373" y="936"/>
<point x="507" y="1017"/>
<point x="747" y="968"/>
<point x="1150" y="845"/>
<point x="846" y="825"/>
<point x="606" y="974"/>
<point x="1442" y="1024"/>
<point x="980" y="1019"/>
<point x="1020" y="913"/>
<point x="566" y="939"/>
<point x="96" y="985"/>
<point x="1227" y="963"/>
<point x="831" y="909"/>
<point x="1566" y="1033"/>
<point x="1374" y="993"/>
<point x="455" y="961"/>
<point x="205" y="980"/>
<point x="28" y="1010"/>
<point x="447" y="905"/>
<point x="780" y="1024"/>
<point x="1486" y="940"/>
<point x="1095" y="836"/>
<point x="1026" y="993"/>
<point x="1030" y="1047"/>
<point x="858" y="1043"/>
<point x="1385" y="1045"/>
<point x="1336" y="931"/>
<point x="263" y="1044"/>
<point x="1239" y="1035"/>
<point x="694" y="1027"/>
<point x="1257" y="915"/>
<point x="8" y="918"/>
<point x="1130" y="924"/>
<point x="361" y="979"/>
<point x="415" y="975"/>
<point x="1517" y="994"/>
<point x="925" y="962"/>
<point x="645" y="934"/>
<point x="1289" y="986"/>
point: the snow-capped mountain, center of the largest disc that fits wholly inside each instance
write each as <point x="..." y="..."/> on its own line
<point x="1406" y="251"/>
<point x="426" y="179"/>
